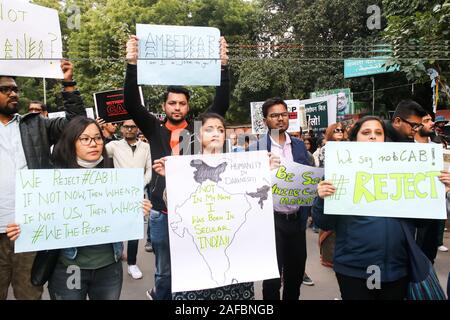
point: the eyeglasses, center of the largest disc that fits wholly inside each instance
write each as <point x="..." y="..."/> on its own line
<point x="413" y="125"/>
<point x="277" y="115"/>
<point x="126" y="127"/>
<point x="338" y="130"/>
<point x="86" y="140"/>
<point x="9" y="89"/>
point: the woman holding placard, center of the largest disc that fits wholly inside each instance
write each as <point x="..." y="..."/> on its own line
<point x="212" y="140"/>
<point x="95" y="270"/>
<point x="372" y="254"/>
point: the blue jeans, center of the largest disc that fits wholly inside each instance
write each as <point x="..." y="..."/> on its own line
<point x="99" y="284"/>
<point x="160" y="242"/>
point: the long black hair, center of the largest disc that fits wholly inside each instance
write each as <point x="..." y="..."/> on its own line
<point x="64" y="154"/>
<point x="357" y="126"/>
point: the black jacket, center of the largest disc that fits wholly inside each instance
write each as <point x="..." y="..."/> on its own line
<point x="157" y="133"/>
<point x="39" y="133"/>
<point x="393" y="135"/>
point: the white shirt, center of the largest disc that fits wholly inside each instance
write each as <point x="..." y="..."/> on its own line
<point x="12" y="158"/>
<point x="124" y="157"/>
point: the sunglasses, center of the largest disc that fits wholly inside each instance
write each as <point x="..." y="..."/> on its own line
<point x="413" y="125"/>
<point x="9" y="89"/>
<point x="337" y="130"/>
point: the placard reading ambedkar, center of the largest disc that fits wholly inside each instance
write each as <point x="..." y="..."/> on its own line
<point x="295" y="185"/>
<point x="174" y="55"/>
<point x="78" y="207"/>
<point x="221" y="224"/>
<point x="30" y="40"/>
<point x="385" y="179"/>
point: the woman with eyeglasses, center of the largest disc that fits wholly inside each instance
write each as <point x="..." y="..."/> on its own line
<point x="82" y="145"/>
<point x="364" y="241"/>
<point x="212" y="141"/>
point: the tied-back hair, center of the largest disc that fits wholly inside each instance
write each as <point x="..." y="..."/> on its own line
<point x="358" y="124"/>
<point x="64" y="154"/>
<point x="203" y="117"/>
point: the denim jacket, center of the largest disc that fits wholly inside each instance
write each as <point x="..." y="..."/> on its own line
<point x="71" y="253"/>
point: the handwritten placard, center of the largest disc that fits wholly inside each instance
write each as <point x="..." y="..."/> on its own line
<point x="221" y="224"/>
<point x="385" y="179"/>
<point x="61" y="114"/>
<point x="295" y="185"/>
<point x="174" y="55"/>
<point x="78" y="207"/>
<point x="30" y="40"/>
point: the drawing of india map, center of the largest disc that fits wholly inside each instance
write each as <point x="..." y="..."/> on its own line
<point x="214" y="224"/>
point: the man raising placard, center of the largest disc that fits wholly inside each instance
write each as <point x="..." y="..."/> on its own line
<point x="165" y="139"/>
<point x="25" y="144"/>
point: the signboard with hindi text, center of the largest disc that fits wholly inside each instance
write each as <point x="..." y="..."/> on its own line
<point x="320" y="112"/>
<point x="178" y="55"/>
<point x="295" y="185"/>
<point x="385" y="179"/>
<point x="221" y="224"/>
<point x="366" y="67"/>
<point x="30" y="40"/>
<point x="78" y="207"/>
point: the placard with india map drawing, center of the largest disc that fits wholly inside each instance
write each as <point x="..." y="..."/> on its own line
<point x="221" y="225"/>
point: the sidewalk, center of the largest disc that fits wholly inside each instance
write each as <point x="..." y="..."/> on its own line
<point x="325" y="288"/>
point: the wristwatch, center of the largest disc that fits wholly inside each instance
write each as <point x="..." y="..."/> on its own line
<point x="69" y="83"/>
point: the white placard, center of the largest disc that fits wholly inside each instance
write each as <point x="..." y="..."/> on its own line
<point x="221" y="224"/>
<point x="30" y="40"/>
<point x="385" y="179"/>
<point x="174" y="55"/>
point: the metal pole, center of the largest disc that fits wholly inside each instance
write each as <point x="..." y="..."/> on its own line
<point x="45" y="91"/>
<point x="373" y="95"/>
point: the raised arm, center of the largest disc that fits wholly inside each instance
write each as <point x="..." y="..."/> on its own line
<point x="146" y="122"/>
<point x="73" y="104"/>
<point x="221" y="102"/>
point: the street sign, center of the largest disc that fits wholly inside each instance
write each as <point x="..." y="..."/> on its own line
<point x="365" y="67"/>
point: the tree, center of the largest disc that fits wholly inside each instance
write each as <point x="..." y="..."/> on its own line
<point x="301" y="47"/>
<point x="419" y="34"/>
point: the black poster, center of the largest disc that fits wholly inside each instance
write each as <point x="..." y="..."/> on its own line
<point x="109" y="105"/>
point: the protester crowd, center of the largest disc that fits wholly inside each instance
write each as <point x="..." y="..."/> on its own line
<point x="348" y="244"/>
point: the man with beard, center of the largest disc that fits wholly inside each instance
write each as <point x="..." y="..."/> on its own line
<point x="25" y="144"/>
<point x="430" y="236"/>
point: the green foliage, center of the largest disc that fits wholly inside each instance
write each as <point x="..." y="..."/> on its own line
<point x="420" y="35"/>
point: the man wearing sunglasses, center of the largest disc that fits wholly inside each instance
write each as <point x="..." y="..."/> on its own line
<point x="25" y="144"/>
<point x="406" y="122"/>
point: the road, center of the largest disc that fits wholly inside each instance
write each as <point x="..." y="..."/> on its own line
<point x="325" y="288"/>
